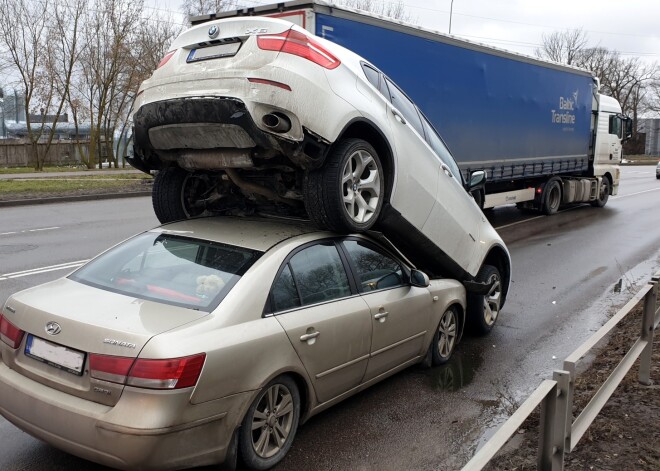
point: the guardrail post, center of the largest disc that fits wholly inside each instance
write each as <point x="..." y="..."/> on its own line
<point x="648" y="321"/>
<point x="570" y="368"/>
<point x="553" y="425"/>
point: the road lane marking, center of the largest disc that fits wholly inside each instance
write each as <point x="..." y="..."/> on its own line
<point x="633" y="194"/>
<point x="37" y="271"/>
<point x="30" y="230"/>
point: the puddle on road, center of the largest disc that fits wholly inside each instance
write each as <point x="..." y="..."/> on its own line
<point x="459" y="371"/>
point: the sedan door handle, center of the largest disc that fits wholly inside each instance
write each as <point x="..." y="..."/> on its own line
<point x="380" y="317"/>
<point x="398" y="117"/>
<point x="309" y="336"/>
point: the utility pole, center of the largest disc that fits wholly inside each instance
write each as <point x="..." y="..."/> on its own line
<point x="451" y="10"/>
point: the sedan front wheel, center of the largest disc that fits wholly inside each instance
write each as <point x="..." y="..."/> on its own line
<point x="446" y="337"/>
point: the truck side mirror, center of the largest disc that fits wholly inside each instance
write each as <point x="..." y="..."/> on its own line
<point x="628" y="128"/>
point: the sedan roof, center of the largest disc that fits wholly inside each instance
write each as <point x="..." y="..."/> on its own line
<point x="252" y="233"/>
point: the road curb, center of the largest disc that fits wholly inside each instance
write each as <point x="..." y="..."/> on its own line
<point x="70" y="199"/>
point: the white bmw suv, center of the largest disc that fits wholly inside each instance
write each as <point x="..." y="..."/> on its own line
<point x="256" y="115"/>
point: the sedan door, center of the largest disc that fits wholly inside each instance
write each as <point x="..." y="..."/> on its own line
<point x="328" y="325"/>
<point x="400" y="313"/>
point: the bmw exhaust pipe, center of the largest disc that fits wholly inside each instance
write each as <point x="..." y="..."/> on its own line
<point x="277" y="122"/>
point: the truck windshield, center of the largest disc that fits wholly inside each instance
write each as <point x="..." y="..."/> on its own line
<point x="170" y="269"/>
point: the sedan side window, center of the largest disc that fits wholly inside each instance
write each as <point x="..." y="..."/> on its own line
<point x="319" y="274"/>
<point x="284" y="294"/>
<point x="374" y="270"/>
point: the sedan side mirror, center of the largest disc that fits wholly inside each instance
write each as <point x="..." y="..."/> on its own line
<point x="419" y="279"/>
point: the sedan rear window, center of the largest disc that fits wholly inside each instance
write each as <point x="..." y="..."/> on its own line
<point x="169" y="268"/>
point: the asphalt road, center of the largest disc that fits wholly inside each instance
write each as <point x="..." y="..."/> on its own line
<point x="565" y="271"/>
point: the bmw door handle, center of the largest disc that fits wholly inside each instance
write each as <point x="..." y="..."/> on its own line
<point x="398" y="117"/>
<point x="446" y="170"/>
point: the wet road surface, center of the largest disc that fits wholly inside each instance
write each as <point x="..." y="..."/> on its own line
<point x="565" y="270"/>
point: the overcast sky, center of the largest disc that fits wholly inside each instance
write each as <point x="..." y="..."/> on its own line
<point x="631" y="27"/>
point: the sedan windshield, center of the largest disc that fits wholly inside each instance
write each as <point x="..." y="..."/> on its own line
<point x="169" y="268"/>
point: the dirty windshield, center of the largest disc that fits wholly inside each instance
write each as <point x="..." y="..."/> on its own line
<point x="170" y="269"/>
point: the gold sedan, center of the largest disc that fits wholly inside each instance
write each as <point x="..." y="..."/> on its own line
<point x="210" y="340"/>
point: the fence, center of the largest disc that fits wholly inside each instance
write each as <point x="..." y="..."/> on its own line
<point x="17" y="154"/>
<point x="558" y="432"/>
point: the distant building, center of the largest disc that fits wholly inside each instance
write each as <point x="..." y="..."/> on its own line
<point x="651" y="128"/>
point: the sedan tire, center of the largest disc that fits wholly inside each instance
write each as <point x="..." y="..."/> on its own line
<point x="346" y="194"/>
<point x="270" y="424"/>
<point x="445" y="338"/>
<point x="484" y="310"/>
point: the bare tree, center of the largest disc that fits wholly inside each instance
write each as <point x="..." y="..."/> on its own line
<point x="207" y="7"/>
<point x="24" y="30"/>
<point x="389" y="9"/>
<point x="563" y="46"/>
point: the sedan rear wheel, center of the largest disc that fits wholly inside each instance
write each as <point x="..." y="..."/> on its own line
<point x="270" y="424"/>
<point x="346" y="194"/>
<point x="446" y="336"/>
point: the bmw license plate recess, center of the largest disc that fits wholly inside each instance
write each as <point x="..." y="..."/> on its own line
<point x="213" y="52"/>
<point x="55" y="355"/>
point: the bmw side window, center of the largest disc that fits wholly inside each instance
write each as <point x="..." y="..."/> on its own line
<point x="372" y="75"/>
<point x="405" y="106"/>
<point x="319" y="274"/>
<point x="374" y="270"/>
<point x="441" y="150"/>
<point x="284" y="294"/>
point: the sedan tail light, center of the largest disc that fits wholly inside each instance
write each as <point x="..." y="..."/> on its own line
<point x="172" y="373"/>
<point x="9" y="333"/>
<point x="298" y="44"/>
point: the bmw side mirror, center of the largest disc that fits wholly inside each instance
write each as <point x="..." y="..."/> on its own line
<point x="419" y="279"/>
<point x="477" y="179"/>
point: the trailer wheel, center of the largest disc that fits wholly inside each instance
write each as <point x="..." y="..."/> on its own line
<point x="484" y="310"/>
<point x="603" y="193"/>
<point x="346" y="194"/>
<point x="176" y="193"/>
<point x="551" y="197"/>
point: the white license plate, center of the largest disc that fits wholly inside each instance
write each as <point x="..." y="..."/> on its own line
<point x="55" y="355"/>
<point x="212" y="52"/>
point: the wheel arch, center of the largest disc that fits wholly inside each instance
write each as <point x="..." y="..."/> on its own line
<point x="362" y="128"/>
<point x="499" y="258"/>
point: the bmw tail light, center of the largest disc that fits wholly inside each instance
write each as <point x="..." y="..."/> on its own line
<point x="9" y="333"/>
<point x="172" y="373"/>
<point x="165" y="59"/>
<point x="298" y="44"/>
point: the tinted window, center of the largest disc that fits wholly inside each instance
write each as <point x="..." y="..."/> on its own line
<point x="319" y="274"/>
<point x="372" y="75"/>
<point x="406" y="107"/>
<point x="170" y="269"/>
<point x="374" y="269"/>
<point x="284" y="294"/>
<point x="441" y="150"/>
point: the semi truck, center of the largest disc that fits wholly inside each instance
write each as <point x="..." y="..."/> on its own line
<point x="540" y="130"/>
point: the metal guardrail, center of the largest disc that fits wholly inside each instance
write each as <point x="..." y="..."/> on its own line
<point x="558" y="432"/>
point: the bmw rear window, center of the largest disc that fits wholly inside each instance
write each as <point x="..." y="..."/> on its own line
<point x="170" y="269"/>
